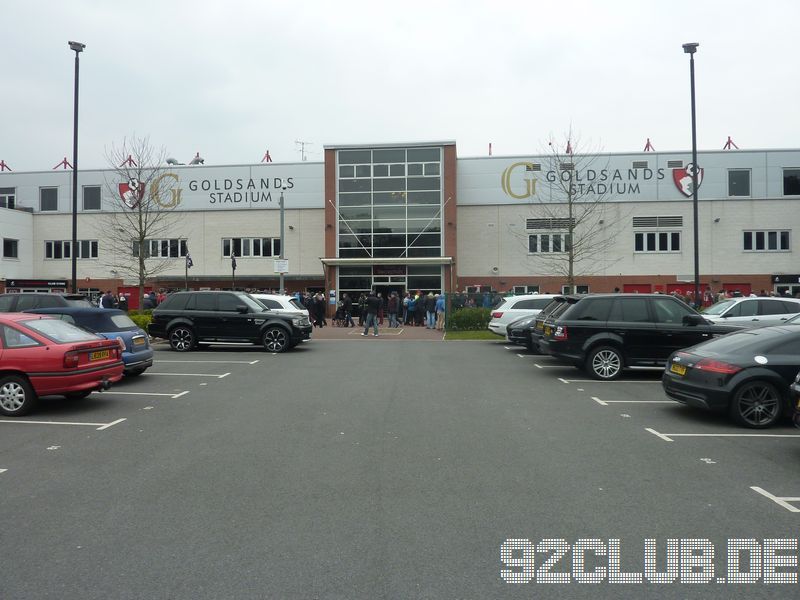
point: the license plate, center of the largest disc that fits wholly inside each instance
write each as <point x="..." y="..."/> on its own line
<point x="138" y="341"/>
<point x="678" y="369"/>
<point x="547" y="330"/>
<point x="798" y="403"/>
<point x="99" y="355"/>
<point x="539" y="325"/>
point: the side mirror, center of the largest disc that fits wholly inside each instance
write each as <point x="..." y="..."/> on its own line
<point x="693" y="320"/>
<point x="242" y="308"/>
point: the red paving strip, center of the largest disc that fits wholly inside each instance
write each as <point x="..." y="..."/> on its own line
<point x="354" y="333"/>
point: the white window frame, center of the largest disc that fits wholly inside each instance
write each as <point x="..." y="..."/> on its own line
<point x="251" y="244"/>
<point x="9" y="200"/>
<point x="66" y="249"/>
<point x="562" y="235"/>
<point x="656" y="248"/>
<point x="520" y="290"/>
<point x="754" y="234"/>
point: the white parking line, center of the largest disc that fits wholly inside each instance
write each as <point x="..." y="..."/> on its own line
<point x="667" y="437"/>
<point x="183" y="393"/>
<point x="202" y="362"/>
<point x="191" y="375"/>
<point x="607" y="402"/>
<point x="3" y="470"/>
<point x="100" y="426"/>
<point x="115" y="393"/>
<point x="538" y="366"/>
<point x="779" y="500"/>
<point x="561" y="379"/>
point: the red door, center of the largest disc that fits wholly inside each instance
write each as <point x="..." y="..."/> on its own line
<point x="132" y="294"/>
<point x="636" y="288"/>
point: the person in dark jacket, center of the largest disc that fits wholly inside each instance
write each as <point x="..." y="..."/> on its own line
<point x="430" y="311"/>
<point x="348" y="311"/>
<point x="411" y="310"/>
<point x="419" y="318"/>
<point x="373" y="304"/>
<point x="391" y="308"/>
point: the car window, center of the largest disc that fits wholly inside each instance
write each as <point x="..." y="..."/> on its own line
<point x="175" y="302"/>
<point x="791" y="308"/>
<point x="271" y="304"/>
<point x="26" y="302"/>
<point x="669" y="311"/>
<point x="253" y="304"/>
<point x="59" y="331"/>
<point x="772" y="307"/>
<point x="630" y="310"/>
<point x="296" y="304"/>
<point x="746" y="308"/>
<point x="123" y="322"/>
<point x="47" y="301"/>
<point x="596" y="309"/>
<point x="14" y="338"/>
<point x="204" y="302"/>
<point x="719" y="307"/>
<point x="67" y="319"/>
<point x="5" y="303"/>
<point x="228" y="302"/>
<point x="77" y="302"/>
<point x="533" y="303"/>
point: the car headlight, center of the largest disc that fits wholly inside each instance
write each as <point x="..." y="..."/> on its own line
<point x="797" y="377"/>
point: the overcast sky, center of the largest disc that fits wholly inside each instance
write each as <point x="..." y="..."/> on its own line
<point x="234" y="78"/>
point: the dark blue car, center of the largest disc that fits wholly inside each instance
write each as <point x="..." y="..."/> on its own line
<point x="110" y="323"/>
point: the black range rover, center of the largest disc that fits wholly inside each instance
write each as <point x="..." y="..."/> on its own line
<point x="606" y="333"/>
<point x="187" y="319"/>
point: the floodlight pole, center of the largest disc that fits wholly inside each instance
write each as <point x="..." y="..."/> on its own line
<point x="690" y="49"/>
<point x="78" y="48"/>
<point x="280" y="284"/>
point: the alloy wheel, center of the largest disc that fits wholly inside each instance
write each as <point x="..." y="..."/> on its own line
<point x="181" y="339"/>
<point x="12" y="396"/>
<point x="606" y="363"/>
<point x="275" y="340"/>
<point x="757" y="404"/>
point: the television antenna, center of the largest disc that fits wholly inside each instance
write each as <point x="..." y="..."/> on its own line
<point x="301" y="148"/>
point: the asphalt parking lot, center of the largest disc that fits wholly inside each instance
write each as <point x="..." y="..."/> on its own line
<point x="366" y="469"/>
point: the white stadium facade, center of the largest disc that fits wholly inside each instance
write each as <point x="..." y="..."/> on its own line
<point x="415" y="216"/>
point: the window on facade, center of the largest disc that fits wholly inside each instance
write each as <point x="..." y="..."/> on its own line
<point x="526" y="289"/>
<point x="791" y="182"/>
<point x="579" y="289"/>
<point x="171" y="248"/>
<point x="48" y="199"/>
<point x="8" y="197"/>
<point x="91" y="197"/>
<point x="657" y="241"/>
<point x="10" y="248"/>
<point x="739" y="182"/>
<point x="251" y="247"/>
<point x="549" y="243"/>
<point x="62" y="249"/>
<point x="766" y="241"/>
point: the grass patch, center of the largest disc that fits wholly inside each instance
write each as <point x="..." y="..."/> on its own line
<point x="472" y="335"/>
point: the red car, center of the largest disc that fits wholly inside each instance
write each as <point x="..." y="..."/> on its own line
<point x="43" y="356"/>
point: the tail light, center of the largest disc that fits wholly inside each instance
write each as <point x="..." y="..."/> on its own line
<point x="716" y="366"/>
<point x="560" y="332"/>
<point x="497" y="315"/>
<point x="121" y="344"/>
<point x="70" y="360"/>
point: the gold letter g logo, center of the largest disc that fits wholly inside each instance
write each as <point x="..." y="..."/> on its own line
<point x="530" y="184"/>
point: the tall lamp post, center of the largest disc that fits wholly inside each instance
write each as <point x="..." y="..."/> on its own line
<point x="78" y="48"/>
<point x="690" y="49"/>
<point x="282" y="289"/>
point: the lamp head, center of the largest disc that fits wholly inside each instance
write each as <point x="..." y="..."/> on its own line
<point x="690" y="48"/>
<point x="77" y="46"/>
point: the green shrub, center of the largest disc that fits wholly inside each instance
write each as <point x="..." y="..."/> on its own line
<point x="141" y="320"/>
<point x="469" y="319"/>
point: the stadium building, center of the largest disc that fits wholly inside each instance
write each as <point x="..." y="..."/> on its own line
<point x="415" y="216"/>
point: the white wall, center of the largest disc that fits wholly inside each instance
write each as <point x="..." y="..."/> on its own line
<point x="18" y="225"/>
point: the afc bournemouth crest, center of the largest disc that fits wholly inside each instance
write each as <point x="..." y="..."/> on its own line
<point x="683" y="179"/>
<point x="131" y="192"/>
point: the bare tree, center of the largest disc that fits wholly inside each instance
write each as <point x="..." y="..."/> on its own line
<point x="143" y="196"/>
<point x="572" y="213"/>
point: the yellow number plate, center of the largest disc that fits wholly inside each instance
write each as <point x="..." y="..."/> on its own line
<point x="99" y="355"/>
<point x="138" y="341"/>
<point x="678" y="369"/>
<point x="798" y="403"/>
<point x="539" y="325"/>
<point x="547" y="330"/>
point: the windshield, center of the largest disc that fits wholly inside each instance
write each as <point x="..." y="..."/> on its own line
<point x="60" y="332"/>
<point x="719" y="307"/>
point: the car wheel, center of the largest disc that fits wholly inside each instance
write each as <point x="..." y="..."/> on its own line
<point x="604" y="362"/>
<point x="276" y="339"/>
<point x="77" y="395"/>
<point x="17" y="397"/>
<point x="181" y="339"/>
<point x="756" y="404"/>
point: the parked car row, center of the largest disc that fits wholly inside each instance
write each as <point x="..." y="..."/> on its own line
<point x="723" y="363"/>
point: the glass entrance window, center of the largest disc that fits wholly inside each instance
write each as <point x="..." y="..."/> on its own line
<point x="390" y="202"/>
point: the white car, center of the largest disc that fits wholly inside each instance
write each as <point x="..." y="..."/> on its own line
<point x="514" y="307"/>
<point x="753" y="312"/>
<point x="281" y="304"/>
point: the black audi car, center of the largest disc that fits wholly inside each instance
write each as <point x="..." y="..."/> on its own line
<point x="187" y="319"/>
<point x="747" y="373"/>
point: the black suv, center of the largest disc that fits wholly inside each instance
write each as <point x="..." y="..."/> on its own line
<point x="29" y="300"/>
<point x="606" y="333"/>
<point x="187" y="319"/>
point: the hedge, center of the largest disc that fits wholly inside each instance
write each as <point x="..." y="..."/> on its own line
<point x="469" y="319"/>
<point x="141" y="320"/>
